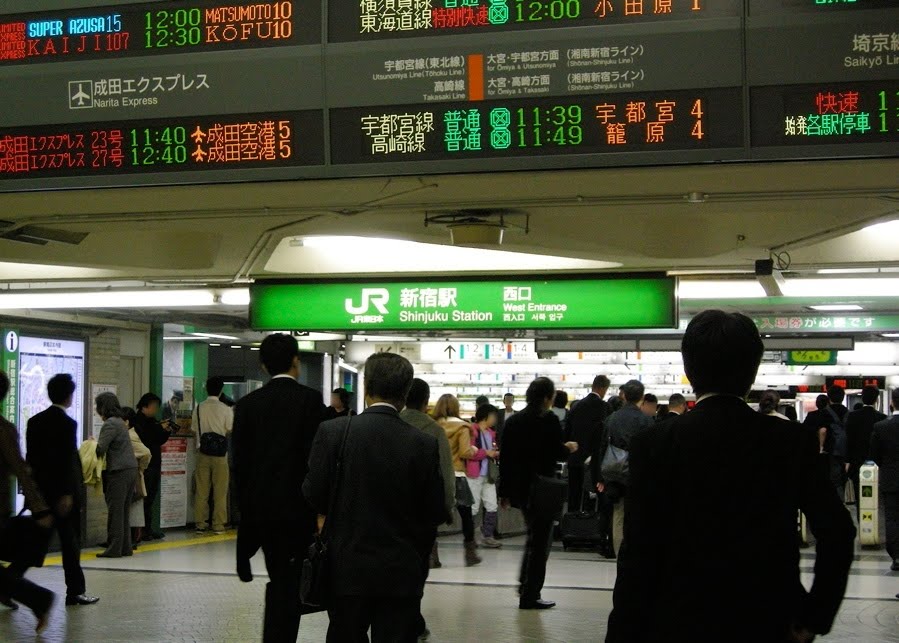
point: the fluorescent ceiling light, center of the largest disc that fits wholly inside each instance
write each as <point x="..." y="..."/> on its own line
<point x="720" y="289"/>
<point x="182" y="338"/>
<point x="835" y="308"/>
<point x="841" y="287"/>
<point x="215" y="344"/>
<point x="237" y="347"/>
<point x="254" y="348"/>
<point x="236" y="297"/>
<point x="108" y="299"/>
<point x="214" y="336"/>
<point x="847" y="271"/>
<point x="891" y="335"/>
<point x="888" y="228"/>
<point x="12" y="270"/>
<point x="353" y="254"/>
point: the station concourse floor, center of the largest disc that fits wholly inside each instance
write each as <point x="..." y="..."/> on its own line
<point x="185" y="589"/>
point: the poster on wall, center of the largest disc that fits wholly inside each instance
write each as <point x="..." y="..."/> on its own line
<point x="173" y="492"/>
<point x="96" y="420"/>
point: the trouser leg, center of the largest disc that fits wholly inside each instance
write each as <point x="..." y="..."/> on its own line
<point x="350" y="619"/>
<point x="283" y="557"/>
<point x="152" y="479"/>
<point x="69" y="528"/>
<point x="117" y="495"/>
<point x="890" y="504"/>
<point x="575" y="488"/>
<point x="394" y="620"/>
<point x="537" y="551"/>
<point x="618" y="525"/>
<point x="220" y="476"/>
<point x="467" y="523"/>
<point x="38" y="599"/>
<point x="204" y="482"/>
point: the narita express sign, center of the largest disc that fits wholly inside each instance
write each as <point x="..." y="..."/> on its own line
<point x="515" y="303"/>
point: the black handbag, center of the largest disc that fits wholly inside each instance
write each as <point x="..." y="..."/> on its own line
<point x="548" y="496"/>
<point x="211" y="444"/>
<point x="315" y="575"/>
<point x="24" y="541"/>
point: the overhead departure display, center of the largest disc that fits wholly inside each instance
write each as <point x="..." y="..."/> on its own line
<point x="352" y="20"/>
<point x="165" y="145"/>
<point x="183" y="91"/>
<point x="157" y="28"/>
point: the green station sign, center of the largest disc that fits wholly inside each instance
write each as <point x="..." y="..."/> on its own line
<point x="561" y="303"/>
<point x="811" y="358"/>
<point x="827" y="324"/>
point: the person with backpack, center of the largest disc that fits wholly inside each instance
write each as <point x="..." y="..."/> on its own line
<point x="835" y="440"/>
<point x="212" y="423"/>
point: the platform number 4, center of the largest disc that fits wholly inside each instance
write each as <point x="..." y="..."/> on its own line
<point x="697" y="112"/>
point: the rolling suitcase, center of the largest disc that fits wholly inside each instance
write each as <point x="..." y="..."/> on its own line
<point x="581" y="529"/>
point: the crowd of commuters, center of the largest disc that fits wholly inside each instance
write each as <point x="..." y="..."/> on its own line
<point x="376" y="486"/>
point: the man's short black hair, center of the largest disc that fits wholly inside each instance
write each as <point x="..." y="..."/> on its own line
<point x="147" y="399"/>
<point x="388" y="377"/>
<point x="344" y="396"/>
<point x="652" y="398"/>
<point x="561" y="400"/>
<point x="60" y="388"/>
<point x="836" y="394"/>
<point x="633" y="391"/>
<point x="484" y="412"/>
<point x="481" y="401"/>
<point x="277" y="353"/>
<point x="676" y="400"/>
<point x="601" y="382"/>
<point x="822" y="402"/>
<point x="894" y="396"/>
<point x="4" y="385"/>
<point x="418" y="395"/>
<point x="509" y="395"/>
<point x="215" y="386"/>
<point x="540" y="390"/>
<point x="870" y="394"/>
<point x="722" y="352"/>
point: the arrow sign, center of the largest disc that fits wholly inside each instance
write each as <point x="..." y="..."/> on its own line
<point x="451" y="350"/>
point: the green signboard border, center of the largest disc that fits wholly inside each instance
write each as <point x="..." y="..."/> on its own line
<point x="673" y="312"/>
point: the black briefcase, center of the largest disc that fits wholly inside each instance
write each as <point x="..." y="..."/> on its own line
<point x="24" y="541"/>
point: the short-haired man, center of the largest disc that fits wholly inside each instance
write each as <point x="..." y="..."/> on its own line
<point x="836" y="440"/>
<point x="505" y="413"/>
<point x="215" y="420"/>
<point x="699" y="470"/>
<point x="620" y="429"/>
<point x="885" y="452"/>
<point x="677" y="406"/>
<point x="859" y="426"/>
<point x="382" y="506"/>
<point x="273" y="431"/>
<point x="650" y="405"/>
<point x="52" y="452"/>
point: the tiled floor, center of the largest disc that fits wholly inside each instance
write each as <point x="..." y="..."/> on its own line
<point x="188" y="593"/>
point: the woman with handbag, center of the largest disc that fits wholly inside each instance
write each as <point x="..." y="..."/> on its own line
<point x="143" y="456"/>
<point x="482" y="471"/>
<point x="533" y="444"/>
<point x="447" y="414"/>
<point x="121" y="475"/>
<point x="12" y="587"/>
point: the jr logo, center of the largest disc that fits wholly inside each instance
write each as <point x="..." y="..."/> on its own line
<point x="377" y="297"/>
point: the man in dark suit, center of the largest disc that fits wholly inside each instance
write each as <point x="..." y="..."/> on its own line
<point x="505" y="413"/>
<point x="52" y="453"/>
<point x="677" y="406"/>
<point x="859" y="426"/>
<point x="377" y="481"/>
<point x="273" y="431"/>
<point x="885" y="452"/>
<point x="710" y="550"/>
<point x="585" y="423"/>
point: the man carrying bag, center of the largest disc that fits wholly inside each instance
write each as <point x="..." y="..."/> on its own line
<point x="212" y="422"/>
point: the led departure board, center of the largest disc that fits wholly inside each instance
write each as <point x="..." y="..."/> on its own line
<point x="165" y="145"/>
<point x="826" y="114"/>
<point x="677" y="120"/>
<point x="181" y="91"/>
<point x="351" y="20"/>
<point x="157" y="28"/>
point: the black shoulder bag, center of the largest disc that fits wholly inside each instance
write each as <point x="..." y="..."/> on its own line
<point x="315" y="585"/>
<point x="211" y="444"/>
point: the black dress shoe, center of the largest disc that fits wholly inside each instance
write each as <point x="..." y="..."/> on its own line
<point x="82" y="599"/>
<point x="895" y="566"/>
<point x="536" y="605"/>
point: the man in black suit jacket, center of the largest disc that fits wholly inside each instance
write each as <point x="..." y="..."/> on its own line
<point x="377" y="481"/>
<point x="677" y="407"/>
<point x="273" y="432"/>
<point x="885" y="452"/>
<point x="585" y="423"/>
<point x="52" y="453"/>
<point x="710" y="550"/>
<point x="859" y="426"/>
